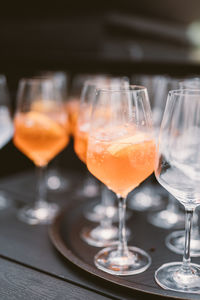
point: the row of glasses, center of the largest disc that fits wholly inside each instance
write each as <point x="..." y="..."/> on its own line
<point x="171" y="216"/>
<point x="121" y="153"/>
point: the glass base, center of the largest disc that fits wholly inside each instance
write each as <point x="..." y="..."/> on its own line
<point x="5" y="201"/>
<point x="43" y="214"/>
<point x="136" y="261"/>
<point x="56" y="181"/>
<point x="146" y="199"/>
<point x="167" y="219"/>
<point x="171" y="277"/>
<point x="100" y="236"/>
<point x="175" y="241"/>
<point x="89" y="189"/>
<point x="96" y="212"/>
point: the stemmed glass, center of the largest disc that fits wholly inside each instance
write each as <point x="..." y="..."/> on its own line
<point x="171" y="216"/>
<point x="56" y="179"/>
<point x="96" y="212"/>
<point x="90" y="187"/>
<point x="175" y="240"/>
<point x="121" y="154"/>
<point x="177" y="170"/>
<point x="40" y="133"/>
<point x="105" y="233"/>
<point x="6" y="128"/>
<point x="150" y="196"/>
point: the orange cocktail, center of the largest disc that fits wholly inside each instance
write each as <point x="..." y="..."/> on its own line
<point x="122" y="163"/>
<point x="39" y="137"/>
<point x="72" y="107"/>
<point x="81" y="141"/>
<point x="82" y="130"/>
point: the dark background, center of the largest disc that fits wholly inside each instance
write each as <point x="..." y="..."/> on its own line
<point x="119" y="37"/>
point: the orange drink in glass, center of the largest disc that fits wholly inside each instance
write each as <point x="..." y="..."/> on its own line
<point x="72" y="107"/>
<point x="123" y="163"/>
<point x="41" y="132"/>
<point x="39" y="137"/>
<point x="81" y="141"/>
<point x="121" y="154"/>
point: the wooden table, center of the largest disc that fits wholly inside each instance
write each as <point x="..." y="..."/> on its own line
<point x="30" y="267"/>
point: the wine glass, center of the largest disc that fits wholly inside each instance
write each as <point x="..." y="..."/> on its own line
<point x="121" y="154"/>
<point x="96" y="212"/>
<point x="175" y="240"/>
<point x="40" y="133"/>
<point x="6" y="129"/>
<point x="105" y="233"/>
<point x="171" y="216"/>
<point x="56" y="179"/>
<point x="177" y="170"/>
<point x="149" y="197"/>
<point x="90" y="187"/>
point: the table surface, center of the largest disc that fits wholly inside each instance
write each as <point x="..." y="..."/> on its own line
<point x="30" y="266"/>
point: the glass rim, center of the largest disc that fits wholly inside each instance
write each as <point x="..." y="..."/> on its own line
<point x="36" y="79"/>
<point x="3" y="79"/>
<point x="188" y="91"/>
<point x="189" y="79"/>
<point x="92" y="81"/>
<point x="129" y="88"/>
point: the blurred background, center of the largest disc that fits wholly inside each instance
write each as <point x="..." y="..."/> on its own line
<point x="126" y="37"/>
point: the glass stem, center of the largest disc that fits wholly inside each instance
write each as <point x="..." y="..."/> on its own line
<point x="195" y="226"/>
<point x="41" y="186"/>
<point x="122" y="246"/>
<point x="106" y="221"/>
<point x="188" y="226"/>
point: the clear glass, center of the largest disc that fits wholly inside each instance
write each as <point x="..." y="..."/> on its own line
<point x="90" y="186"/>
<point x="6" y="130"/>
<point x="163" y="216"/>
<point x="121" y="154"/>
<point x="175" y="240"/>
<point x="41" y="132"/>
<point x="105" y="233"/>
<point x="157" y="86"/>
<point x="177" y="170"/>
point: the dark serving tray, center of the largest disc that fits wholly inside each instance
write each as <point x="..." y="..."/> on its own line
<point x="65" y="235"/>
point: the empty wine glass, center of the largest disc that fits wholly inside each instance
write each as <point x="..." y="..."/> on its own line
<point x="171" y="216"/>
<point x="6" y="129"/>
<point x="177" y="170"/>
<point x="175" y="240"/>
<point x="157" y="86"/>
<point x="40" y="133"/>
<point x="121" y="154"/>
